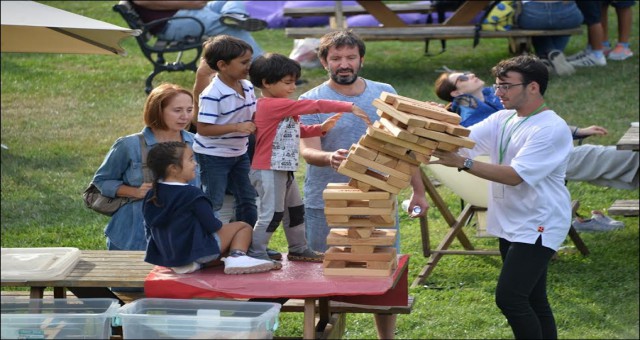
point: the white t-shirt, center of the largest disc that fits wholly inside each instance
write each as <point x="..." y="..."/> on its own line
<point x="538" y="150"/>
<point x="220" y="104"/>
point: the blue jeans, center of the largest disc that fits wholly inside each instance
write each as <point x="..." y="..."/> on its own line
<point x="216" y="173"/>
<point x="317" y="230"/>
<point x="521" y="293"/>
<point x="210" y="15"/>
<point x="549" y="16"/>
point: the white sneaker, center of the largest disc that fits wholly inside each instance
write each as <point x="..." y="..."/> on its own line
<point x="244" y="265"/>
<point x="579" y="55"/>
<point x="560" y="64"/>
<point x="186" y="269"/>
<point x="589" y="60"/>
<point x="604" y="219"/>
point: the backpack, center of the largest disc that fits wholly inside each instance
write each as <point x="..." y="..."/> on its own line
<point x="498" y="16"/>
<point x="502" y="17"/>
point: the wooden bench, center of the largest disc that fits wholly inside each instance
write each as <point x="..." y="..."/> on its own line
<point x="519" y="39"/>
<point x="458" y="26"/>
<point x="625" y="208"/>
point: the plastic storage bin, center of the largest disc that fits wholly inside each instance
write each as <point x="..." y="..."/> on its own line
<point x="23" y="264"/>
<point x="57" y="318"/>
<point x="152" y="318"/>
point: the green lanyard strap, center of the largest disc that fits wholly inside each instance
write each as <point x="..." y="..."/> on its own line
<point x="504" y="128"/>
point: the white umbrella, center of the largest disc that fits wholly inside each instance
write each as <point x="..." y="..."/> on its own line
<point x="28" y="26"/>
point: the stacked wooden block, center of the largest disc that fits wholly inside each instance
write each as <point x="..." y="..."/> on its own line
<point x="362" y="213"/>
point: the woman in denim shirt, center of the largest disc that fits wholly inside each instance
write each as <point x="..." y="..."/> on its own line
<point x="167" y="113"/>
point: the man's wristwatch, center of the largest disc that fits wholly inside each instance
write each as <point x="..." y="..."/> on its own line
<point x="468" y="164"/>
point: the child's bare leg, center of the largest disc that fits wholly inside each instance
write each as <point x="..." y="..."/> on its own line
<point x="235" y="236"/>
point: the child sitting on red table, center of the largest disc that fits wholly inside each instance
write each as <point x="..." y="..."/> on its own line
<point x="182" y="231"/>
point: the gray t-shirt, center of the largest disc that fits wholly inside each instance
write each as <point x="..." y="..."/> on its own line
<point x="346" y="132"/>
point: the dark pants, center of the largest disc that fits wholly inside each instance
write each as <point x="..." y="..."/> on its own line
<point x="521" y="293"/>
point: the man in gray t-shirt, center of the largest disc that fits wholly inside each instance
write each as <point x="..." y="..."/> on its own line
<point x="342" y="54"/>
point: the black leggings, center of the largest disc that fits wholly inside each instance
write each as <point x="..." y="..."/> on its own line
<point x="521" y="293"/>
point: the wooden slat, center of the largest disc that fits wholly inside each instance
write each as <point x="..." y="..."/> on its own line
<point x="630" y="140"/>
<point x="420" y="33"/>
<point x="300" y="12"/>
<point x="625" y="208"/>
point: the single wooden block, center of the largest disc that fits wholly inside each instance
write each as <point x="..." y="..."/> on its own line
<point x="403" y="117"/>
<point x="389" y="138"/>
<point x="364" y="152"/>
<point x="428" y="143"/>
<point x="421" y="158"/>
<point x="398" y="182"/>
<point x="360" y="232"/>
<point x="339" y="186"/>
<point x="427" y="110"/>
<point x="356" y="211"/>
<point x="379" y="237"/>
<point x="443" y="137"/>
<point x="398" y="131"/>
<point x="361" y="221"/>
<point x="388" y="149"/>
<point x="337" y="219"/>
<point x="347" y="192"/>
<point x="447" y="146"/>
<point x="372" y="178"/>
<point x="353" y="269"/>
<point x="377" y="166"/>
<point x="346" y="254"/>
<point x="336" y="203"/>
<point x="351" y="165"/>
<point x="382" y="203"/>
<point x="386" y="160"/>
<point x="362" y="185"/>
<point x="363" y="249"/>
<point x="405" y="167"/>
<point x="384" y="219"/>
<point x="456" y="130"/>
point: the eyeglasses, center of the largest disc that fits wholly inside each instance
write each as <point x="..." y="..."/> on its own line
<point x="506" y="87"/>
<point x="462" y="77"/>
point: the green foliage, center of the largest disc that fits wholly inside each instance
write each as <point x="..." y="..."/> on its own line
<point x="61" y="113"/>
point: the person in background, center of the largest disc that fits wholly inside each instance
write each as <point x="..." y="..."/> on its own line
<point x="218" y="17"/>
<point x="278" y="133"/>
<point x="551" y="15"/>
<point x="529" y="206"/>
<point x="595" y="164"/>
<point x="342" y="55"/>
<point x="621" y="50"/>
<point x="182" y="232"/>
<point x="167" y="112"/>
<point x="593" y="54"/>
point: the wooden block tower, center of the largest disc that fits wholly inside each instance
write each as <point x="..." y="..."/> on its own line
<point x="362" y="213"/>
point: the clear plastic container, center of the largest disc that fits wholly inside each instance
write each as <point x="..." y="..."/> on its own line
<point x="25" y="264"/>
<point x="57" y="318"/>
<point x="152" y="318"/>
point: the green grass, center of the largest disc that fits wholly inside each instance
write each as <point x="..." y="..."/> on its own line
<point x="61" y="113"/>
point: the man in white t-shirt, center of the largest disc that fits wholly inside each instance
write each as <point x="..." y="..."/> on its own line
<point x="529" y="206"/>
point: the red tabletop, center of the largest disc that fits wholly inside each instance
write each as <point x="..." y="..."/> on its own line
<point x="294" y="280"/>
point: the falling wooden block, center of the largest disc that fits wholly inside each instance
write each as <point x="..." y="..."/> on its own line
<point x="378" y="167"/>
<point x="363" y="152"/>
<point x="403" y="117"/>
<point x="386" y="160"/>
<point x="389" y="149"/>
<point x="443" y="137"/>
<point x="351" y="165"/>
<point x="389" y="138"/>
<point x="361" y="185"/>
<point x="370" y="177"/>
<point x="398" y="131"/>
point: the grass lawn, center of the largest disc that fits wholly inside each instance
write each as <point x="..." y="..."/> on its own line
<point x="61" y="113"/>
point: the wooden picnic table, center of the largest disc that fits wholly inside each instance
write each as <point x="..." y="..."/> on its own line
<point x="628" y="141"/>
<point x="98" y="270"/>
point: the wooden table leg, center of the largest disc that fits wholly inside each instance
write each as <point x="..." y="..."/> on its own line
<point x="59" y="292"/>
<point x="36" y="292"/>
<point x="309" y="329"/>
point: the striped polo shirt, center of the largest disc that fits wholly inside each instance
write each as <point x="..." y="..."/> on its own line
<point x="220" y="104"/>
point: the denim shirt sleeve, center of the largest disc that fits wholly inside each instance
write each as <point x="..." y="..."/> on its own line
<point x="121" y="165"/>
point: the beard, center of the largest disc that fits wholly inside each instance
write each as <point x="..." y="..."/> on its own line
<point x="344" y="80"/>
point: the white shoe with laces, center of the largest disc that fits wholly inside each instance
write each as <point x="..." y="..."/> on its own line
<point x="245" y="265"/>
<point x="589" y="60"/>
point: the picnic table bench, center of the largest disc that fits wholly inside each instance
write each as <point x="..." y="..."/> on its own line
<point x="458" y="26"/>
<point x="629" y="141"/>
<point x="98" y="270"/>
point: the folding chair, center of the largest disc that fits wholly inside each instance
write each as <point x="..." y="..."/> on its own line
<point x="474" y="191"/>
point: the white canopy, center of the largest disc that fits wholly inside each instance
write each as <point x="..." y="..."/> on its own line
<point x="28" y="26"/>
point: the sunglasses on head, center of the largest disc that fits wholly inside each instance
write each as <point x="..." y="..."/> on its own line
<point x="463" y="77"/>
